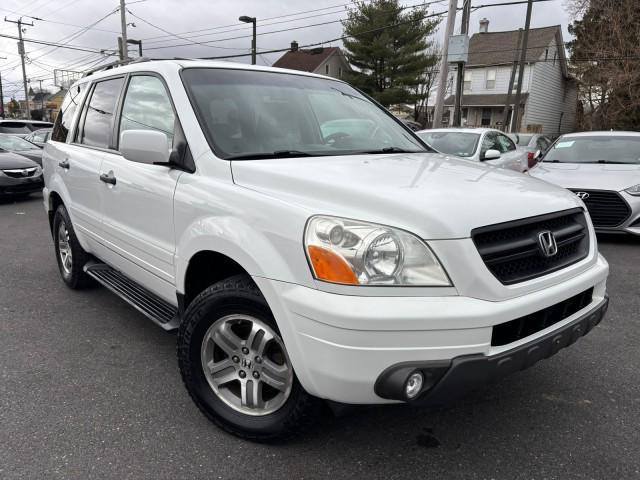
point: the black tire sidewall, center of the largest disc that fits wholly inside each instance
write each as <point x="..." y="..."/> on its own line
<point x="77" y="278"/>
<point x="201" y="317"/>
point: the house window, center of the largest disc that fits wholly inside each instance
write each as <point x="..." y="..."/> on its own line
<point x="491" y="79"/>
<point x="467" y="80"/>
<point x="326" y="69"/>
<point x="486" y="117"/>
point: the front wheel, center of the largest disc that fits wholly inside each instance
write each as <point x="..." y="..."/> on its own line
<point x="235" y="365"/>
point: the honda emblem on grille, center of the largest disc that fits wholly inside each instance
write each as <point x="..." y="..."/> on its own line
<point x="582" y="195"/>
<point x="547" y="243"/>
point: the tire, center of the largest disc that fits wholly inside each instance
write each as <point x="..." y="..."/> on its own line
<point x="234" y="303"/>
<point x="70" y="266"/>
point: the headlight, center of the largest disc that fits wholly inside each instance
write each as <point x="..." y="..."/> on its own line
<point x="359" y="253"/>
<point x="38" y="171"/>
<point x="635" y="190"/>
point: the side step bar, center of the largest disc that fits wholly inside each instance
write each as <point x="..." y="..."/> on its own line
<point x="146" y="302"/>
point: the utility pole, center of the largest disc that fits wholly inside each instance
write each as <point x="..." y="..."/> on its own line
<point x="21" y="52"/>
<point x="515" y="120"/>
<point x="444" y="65"/>
<point x="1" y="95"/>
<point x="464" y="29"/>
<point x="507" y="103"/>
<point x="124" y="54"/>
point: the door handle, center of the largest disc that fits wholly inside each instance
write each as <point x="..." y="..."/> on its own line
<point x="108" y="178"/>
<point x="64" y="164"/>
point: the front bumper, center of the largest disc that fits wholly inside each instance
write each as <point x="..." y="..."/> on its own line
<point x="340" y="344"/>
<point x="18" y="186"/>
<point x="446" y="382"/>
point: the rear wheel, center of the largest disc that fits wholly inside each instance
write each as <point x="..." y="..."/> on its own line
<point x="235" y="365"/>
<point x="70" y="255"/>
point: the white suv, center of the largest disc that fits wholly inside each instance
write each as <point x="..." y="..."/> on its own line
<point x="306" y="244"/>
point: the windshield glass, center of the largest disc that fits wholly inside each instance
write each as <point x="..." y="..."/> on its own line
<point x="16" y="144"/>
<point x="253" y="114"/>
<point x="14" y="127"/>
<point x="461" y="144"/>
<point x="605" y="149"/>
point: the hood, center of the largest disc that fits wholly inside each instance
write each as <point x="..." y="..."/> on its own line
<point x="431" y="195"/>
<point x="35" y="155"/>
<point x="589" y="176"/>
<point x="13" y="160"/>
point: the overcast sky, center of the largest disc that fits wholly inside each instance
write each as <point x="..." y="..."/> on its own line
<point x="189" y="18"/>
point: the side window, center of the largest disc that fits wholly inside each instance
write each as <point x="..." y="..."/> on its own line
<point x="98" y="114"/>
<point x="542" y="144"/>
<point x="147" y="107"/>
<point x="65" y="117"/>
<point x="506" y="145"/>
<point x="489" y="142"/>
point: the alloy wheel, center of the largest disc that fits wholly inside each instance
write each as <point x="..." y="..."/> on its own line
<point x="64" y="248"/>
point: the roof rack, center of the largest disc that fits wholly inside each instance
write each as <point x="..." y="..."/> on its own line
<point x="118" y="63"/>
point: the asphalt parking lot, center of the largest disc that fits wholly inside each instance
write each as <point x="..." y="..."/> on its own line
<point x="89" y="388"/>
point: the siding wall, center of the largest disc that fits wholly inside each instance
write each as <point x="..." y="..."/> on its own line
<point x="551" y="95"/>
<point x="335" y="62"/>
<point x="503" y="74"/>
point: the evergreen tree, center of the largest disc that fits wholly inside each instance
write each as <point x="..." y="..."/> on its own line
<point x="387" y="44"/>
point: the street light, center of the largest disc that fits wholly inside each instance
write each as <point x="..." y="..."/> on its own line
<point x="252" y="20"/>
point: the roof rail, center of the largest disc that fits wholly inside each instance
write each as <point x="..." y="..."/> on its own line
<point x="117" y="63"/>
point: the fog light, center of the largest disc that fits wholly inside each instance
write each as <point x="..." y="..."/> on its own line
<point x="413" y="385"/>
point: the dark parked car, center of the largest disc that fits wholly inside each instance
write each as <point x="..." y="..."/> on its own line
<point x="22" y="128"/>
<point x="15" y="144"/>
<point x="19" y="176"/>
<point x="39" y="137"/>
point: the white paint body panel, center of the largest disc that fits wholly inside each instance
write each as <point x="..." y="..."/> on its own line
<point x="154" y="220"/>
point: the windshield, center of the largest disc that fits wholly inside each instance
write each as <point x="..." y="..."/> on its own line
<point x="461" y="144"/>
<point x="253" y="114"/>
<point x="16" y="144"/>
<point x="605" y="149"/>
<point x="14" y="127"/>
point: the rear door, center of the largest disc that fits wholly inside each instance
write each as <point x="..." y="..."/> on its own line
<point x="137" y="211"/>
<point x="91" y="145"/>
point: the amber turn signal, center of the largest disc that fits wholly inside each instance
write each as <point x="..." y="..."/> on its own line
<point x="331" y="267"/>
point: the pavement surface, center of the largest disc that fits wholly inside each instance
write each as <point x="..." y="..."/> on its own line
<point x="89" y="388"/>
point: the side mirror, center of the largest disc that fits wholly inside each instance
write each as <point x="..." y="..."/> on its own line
<point x="144" y="146"/>
<point x="491" y="155"/>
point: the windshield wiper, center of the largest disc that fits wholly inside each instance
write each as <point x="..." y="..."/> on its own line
<point x="276" y="154"/>
<point x="391" y="150"/>
<point x="607" y="161"/>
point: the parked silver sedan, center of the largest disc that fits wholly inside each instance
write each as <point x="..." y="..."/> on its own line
<point x="479" y="144"/>
<point x="603" y="169"/>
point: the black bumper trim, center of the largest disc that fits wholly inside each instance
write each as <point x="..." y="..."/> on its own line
<point x="451" y="380"/>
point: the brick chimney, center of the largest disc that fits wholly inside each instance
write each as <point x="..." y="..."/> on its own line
<point x="294" y="46"/>
<point x="484" y="25"/>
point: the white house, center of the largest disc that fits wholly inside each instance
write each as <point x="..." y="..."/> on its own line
<point x="549" y="95"/>
<point x="328" y="61"/>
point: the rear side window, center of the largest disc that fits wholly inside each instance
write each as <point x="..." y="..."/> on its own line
<point x="64" y="119"/>
<point x="98" y="114"/>
<point x="147" y="107"/>
<point x="14" y="127"/>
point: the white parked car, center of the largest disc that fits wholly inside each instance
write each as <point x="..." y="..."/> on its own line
<point x="302" y="257"/>
<point x="603" y="169"/>
<point x="478" y="144"/>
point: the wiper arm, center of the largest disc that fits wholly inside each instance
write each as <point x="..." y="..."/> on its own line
<point x="392" y="150"/>
<point x="276" y="154"/>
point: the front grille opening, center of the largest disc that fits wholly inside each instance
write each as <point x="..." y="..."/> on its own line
<point x="607" y="209"/>
<point x="512" y="253"/>
<point x="523" y="327"/>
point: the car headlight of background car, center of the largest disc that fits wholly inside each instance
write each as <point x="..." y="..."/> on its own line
<point x="635" y="190"/>
<point x="352" y="252"/>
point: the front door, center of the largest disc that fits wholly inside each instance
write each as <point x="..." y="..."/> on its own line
<point x="137" y="210"/>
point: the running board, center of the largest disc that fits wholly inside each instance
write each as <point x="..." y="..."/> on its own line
<point x="147" y="303"/>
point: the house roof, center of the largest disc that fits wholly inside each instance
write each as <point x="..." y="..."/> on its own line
<point x="305" y="60"/>
<point x="496" y="48"/>
<point x="486" y="100"/>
